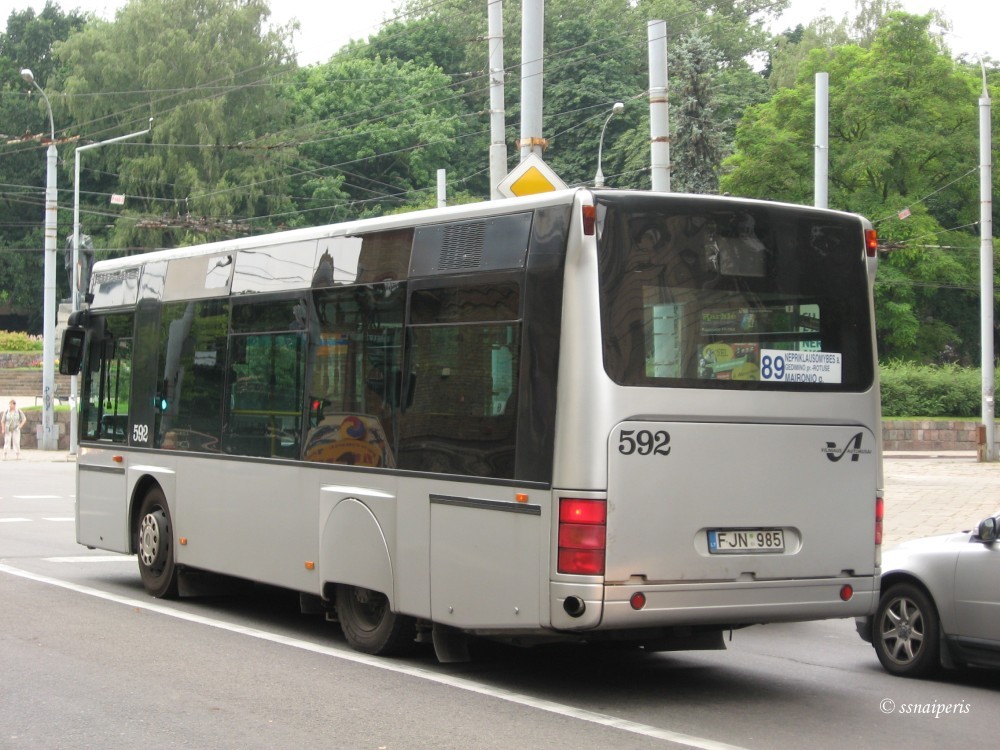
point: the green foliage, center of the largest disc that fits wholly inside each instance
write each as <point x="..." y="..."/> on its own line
<point x="17" y="341"/>
<point x="27" y="42"/>
<point x="205" y="70"/>
<point x="910" y="390"/>
<point x="375" y="131"/>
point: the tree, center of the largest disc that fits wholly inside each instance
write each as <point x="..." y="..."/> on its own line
<point x="28" y="42"/>
<point x="902" y="135"/>
<point x="698" y="135"/>
<point x="210" y="73"/>
<point x="372" y="134"/>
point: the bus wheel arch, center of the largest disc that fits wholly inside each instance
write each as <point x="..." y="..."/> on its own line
<point x="357" y="565"/>
<point x="152" y="534"/>
<point x="354" y="549"/>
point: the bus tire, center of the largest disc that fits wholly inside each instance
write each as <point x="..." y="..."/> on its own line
<point x="370" y="626"/>
<point x="154" y="546"/>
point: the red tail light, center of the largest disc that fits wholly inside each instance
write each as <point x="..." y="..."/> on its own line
<point x="589" y="219"/>
<point x="871" y="242"/>
<point x="879" y="516"/>
<point x="582" y="536"/>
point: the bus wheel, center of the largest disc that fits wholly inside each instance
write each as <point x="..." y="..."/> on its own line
<point x="370" y="626"/>
<point x="155" y="546"/>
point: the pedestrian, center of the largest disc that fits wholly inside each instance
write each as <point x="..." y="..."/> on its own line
<point x="11" y="423"/>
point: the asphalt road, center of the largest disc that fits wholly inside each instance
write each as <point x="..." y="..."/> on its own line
<point x="87" y="660"/>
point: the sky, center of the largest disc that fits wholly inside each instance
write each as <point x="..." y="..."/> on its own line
<point x="326" y="25"/>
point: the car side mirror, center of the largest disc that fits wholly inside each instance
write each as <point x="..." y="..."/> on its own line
<point x="988" y="530"/>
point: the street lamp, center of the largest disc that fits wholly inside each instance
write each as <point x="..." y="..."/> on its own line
<point x="48" y="439"/>
<point x="74" y="273"/>
<point x="617" y="109"/>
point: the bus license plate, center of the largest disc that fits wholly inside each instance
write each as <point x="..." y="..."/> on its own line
<point x="743" y="541"/>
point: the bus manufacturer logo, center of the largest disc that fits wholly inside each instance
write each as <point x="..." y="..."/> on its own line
<point x="852" y="448"/>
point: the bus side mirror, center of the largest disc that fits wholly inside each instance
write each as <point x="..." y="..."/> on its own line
<point x="71" y="355"/>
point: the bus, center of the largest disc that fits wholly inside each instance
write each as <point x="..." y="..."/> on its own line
<point x="587" y="415"/>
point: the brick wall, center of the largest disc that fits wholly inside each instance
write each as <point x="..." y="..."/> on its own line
<point x="944" y="435"/>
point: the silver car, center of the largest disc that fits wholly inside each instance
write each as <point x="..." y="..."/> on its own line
<point x="939" y="603"/>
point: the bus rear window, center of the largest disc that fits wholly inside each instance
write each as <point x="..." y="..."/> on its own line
<point x="703" y="294"/>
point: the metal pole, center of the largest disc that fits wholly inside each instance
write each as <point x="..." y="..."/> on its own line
<point x="532" y="50"/>
<point x="74" y="278"/>
<point x="442" y="188"/>
<point x="48" y="440"/>
<point x="659" y="109"/>
<point x="821" y="163"/>
<point x="498" y="145"/>
<point x="986" y="267"/>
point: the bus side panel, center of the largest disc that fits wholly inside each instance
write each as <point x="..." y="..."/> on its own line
<point x="249" y="520"/>
<point x="486" y="551"/>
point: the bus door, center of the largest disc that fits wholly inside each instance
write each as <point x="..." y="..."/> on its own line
<point x="104" y="424"/>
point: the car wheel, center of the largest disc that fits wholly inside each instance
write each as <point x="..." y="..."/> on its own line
<point x="906" y="631"/>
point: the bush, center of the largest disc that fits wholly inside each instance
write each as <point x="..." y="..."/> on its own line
<point x="910" y="390"/>
<point x="15" y="341"/>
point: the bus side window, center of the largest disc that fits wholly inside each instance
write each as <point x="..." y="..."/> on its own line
<point x="193" y="352"/>
<point x="355" y="383"/>
<point x="465" y="364"/>
<point x="265" y="377"/>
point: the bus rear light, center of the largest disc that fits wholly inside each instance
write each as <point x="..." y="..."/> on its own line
<point x="637" y="600"/>
<point x="582" y="536"/>
<point x="846" y="592"/>
<point x="589" y="219"/>
<point x="581" y="562"/>
<point x="871" y="243"/>
<point x="582" y="511"/>
<point x="879" y="516"/>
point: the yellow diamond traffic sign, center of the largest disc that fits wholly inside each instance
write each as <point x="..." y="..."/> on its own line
<point x="529" y="177"/>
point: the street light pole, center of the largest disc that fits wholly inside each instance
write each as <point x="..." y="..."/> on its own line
<point x="74" y="273"/>
<point x="48" y="440"/>
<point x="617" y="109"/>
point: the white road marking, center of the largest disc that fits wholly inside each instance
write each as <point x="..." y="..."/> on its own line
<point x="64" y="518"/>
<point x="14" y="520"/>
<point x="92" y="558"/>
<point x="459" y="683"/>
<point x="38" y="497"/>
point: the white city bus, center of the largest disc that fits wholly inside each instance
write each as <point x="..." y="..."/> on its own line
<point x="586" y="415"/>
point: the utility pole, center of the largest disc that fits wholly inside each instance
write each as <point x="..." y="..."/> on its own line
<point x="987" y="364"/>
<point x="659" y="108"/>
<point x="532" y="51"/>
<point x="498" y="144"/>
<point x="48" y="439"/>
<point x="821" y="157"/>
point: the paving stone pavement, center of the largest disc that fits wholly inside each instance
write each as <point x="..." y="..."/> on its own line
<point x="925" y="493"/>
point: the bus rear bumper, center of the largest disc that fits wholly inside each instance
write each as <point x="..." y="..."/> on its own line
<point x="735" y="603"/>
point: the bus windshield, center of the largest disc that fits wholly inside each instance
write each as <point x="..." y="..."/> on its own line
<point x="703" y="293"/>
